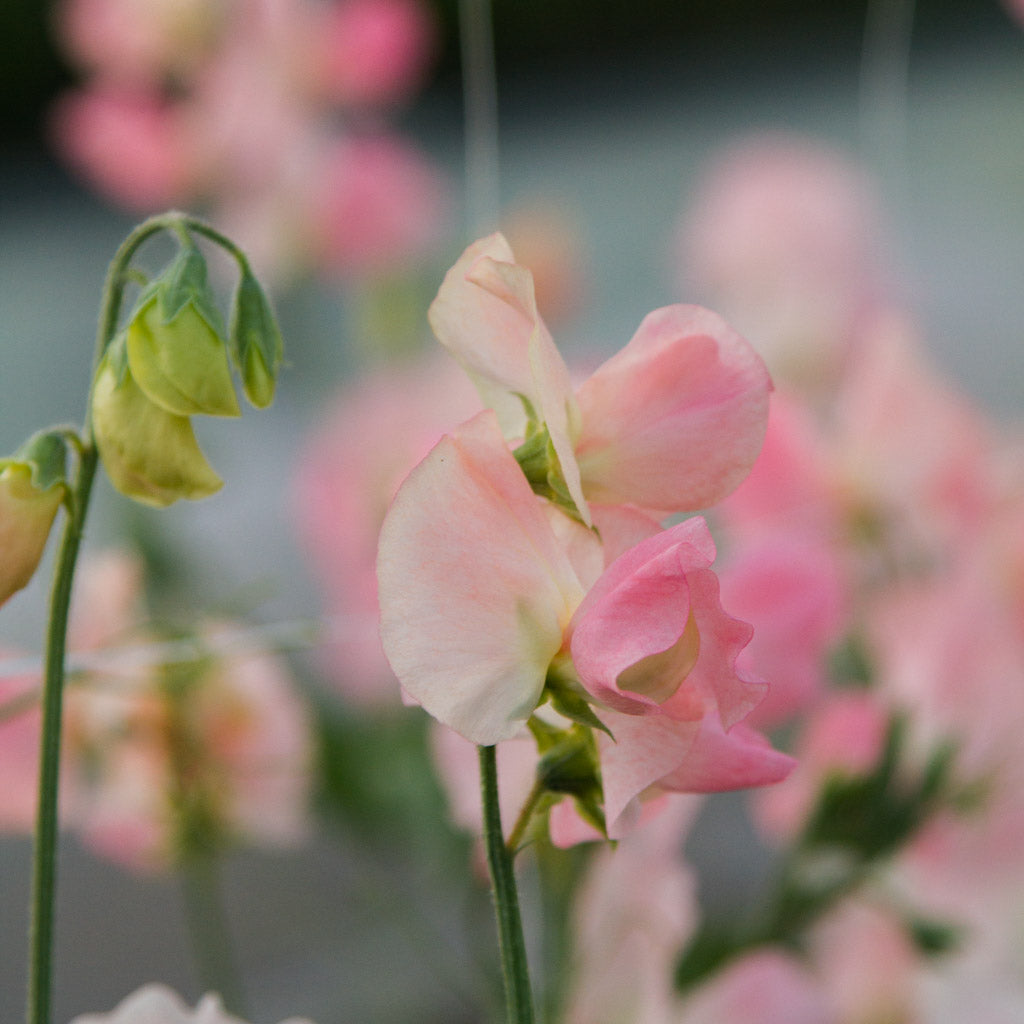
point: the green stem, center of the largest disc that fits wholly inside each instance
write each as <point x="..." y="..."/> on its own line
<point x="519" y="829"/>
<point x="212" y="948"/>
<point x="512" y="946"/>
<point x="44" y="862"/>
<point x="44" y="865"/>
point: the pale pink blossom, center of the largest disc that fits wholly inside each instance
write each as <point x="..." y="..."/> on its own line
<point x="157" y="1004"/>
<point x="20" y="724"/>
<point x="128" y="142"/>
<point x="371" y="52"/>
<point x="474" y="605"/>
<point x="138" y="41"/>
<point x="375" y="202"/>
<point x="784" y="237"/>
<point x="764" y="987"/>
<point x="632" y="915"/>
<point x="671" y="423"/>
<point x="480" y="606"/>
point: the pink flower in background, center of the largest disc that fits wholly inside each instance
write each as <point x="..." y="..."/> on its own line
<point x="157" y="1004"/>
<point x="375" y="431"/>
<point x="633" y="912"/>
<point x="791" y="586"/>
<point x="764" y="987"/>
<point x="266" y="114"/>
<point x="376" y="202"/>
<point x="371" y="52"/>
<point x="784" y="238"/>
<point x="148" y="743"/>
<point x="131" y="143"/>
<point x="138" y="41"/>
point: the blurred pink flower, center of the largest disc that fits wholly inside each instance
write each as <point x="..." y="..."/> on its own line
<point x="764" y="987"/>
<point x="266" y="115"/>
<point x="129" y="142"/>
<point x="375" y="431"/>
<point x="138" y="41"/>
<point x="157" y="1004"/>
<point x="376" y="201"/>
<point x="791" y="586"/>
<point x="371" y="52"/>
<point x="632" y="914"/>
<point x="784" y="238"/>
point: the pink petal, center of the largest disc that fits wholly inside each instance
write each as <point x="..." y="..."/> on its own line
<point x="675" y="420"/>
<point x="639" y="608"/>
<point x="486" y="314"/>
<point x="718" y="761"/>
<point x="473" y="605"/>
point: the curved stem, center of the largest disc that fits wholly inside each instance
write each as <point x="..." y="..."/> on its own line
<point x="512" y="946"/>
<point x="518" y="833"/>
<point x="44" y="860"/>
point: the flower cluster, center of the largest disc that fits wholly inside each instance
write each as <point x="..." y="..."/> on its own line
<point x="268" y="113"/>
<point x="524" y="562"/>
<point x="172" y="747"/>
<point x="876" y="544"/>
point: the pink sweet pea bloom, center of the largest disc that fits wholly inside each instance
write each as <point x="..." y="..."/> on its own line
<point x="157" y="1004"/>
<point x="371" y="52"/>
<point x="128" y="142"/>
<point x="671" y="423"/>
<point x="496" y="602"/>
<point x="474" y="606"/>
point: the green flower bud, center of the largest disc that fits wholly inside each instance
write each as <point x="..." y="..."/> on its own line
<point x="150" y="454"/>
<point x="32" y="487"/>
<point x="175" y="342"/>
<point x="255" y="340"/>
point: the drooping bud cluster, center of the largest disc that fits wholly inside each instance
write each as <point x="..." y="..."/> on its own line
<point x="172" y="360"/>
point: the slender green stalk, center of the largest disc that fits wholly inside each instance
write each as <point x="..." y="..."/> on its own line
<point x="44" y="864"/>
<point x="209" y="932"/>
<point x="522" y="823"/>
<point x="512" y="946"/>
<point x="480" y="104"/>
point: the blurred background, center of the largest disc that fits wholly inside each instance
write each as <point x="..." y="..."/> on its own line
<point x="609" y="115"/>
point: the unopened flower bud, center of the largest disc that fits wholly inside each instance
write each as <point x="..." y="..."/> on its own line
<point x="150" y="454"/>
<point x="255" y="339"/>
<point x="175" y="342"/>
<point x="32" y="487"/>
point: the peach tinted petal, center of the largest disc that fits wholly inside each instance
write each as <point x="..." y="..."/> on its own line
<point x="674" y="420"/>
<point x="473" y="607"/>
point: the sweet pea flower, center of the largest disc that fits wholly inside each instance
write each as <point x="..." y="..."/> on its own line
<point x="157" y="1004"/>
<point x="480" y="610"/>
<point x="671" y="423"/>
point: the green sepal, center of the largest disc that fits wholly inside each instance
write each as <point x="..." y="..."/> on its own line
<point x="45" y="454"/>
<point x="569" y="766"/>
<point x="185" y="282"/>
<point x="541" y="466"/>
<point x="254" y="340"/>
<point x="570" y="704"/>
